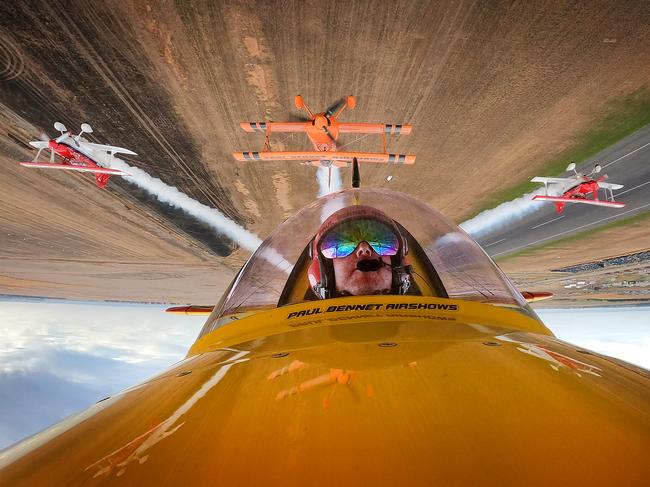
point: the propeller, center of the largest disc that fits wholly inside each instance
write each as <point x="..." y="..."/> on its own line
<point x="326" y="130"/>
<point x="340" y="103"/>
<point x="336" y="109"/>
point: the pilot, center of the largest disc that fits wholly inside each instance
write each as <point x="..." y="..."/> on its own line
<point x="358" y="251"/>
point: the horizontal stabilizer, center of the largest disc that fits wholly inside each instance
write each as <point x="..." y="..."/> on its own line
<point x="190" y="310"/>
<point x="40" y="144"/>
<point x="613" y="204"/>
<point x="72" y="167"/>
<point x="378" y="157"/>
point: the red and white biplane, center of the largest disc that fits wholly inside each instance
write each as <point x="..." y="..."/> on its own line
<point x="323" y="130"/>
<point x="575" y="189"/>
<point x="78" y="154"/>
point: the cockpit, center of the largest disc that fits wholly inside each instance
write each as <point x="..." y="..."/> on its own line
<point x="362" y="242"/>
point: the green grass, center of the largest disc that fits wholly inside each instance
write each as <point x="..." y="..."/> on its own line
<point x="623" y="118"/>
<point x="576" y="237"/>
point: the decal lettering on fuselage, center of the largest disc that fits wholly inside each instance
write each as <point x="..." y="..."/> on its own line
<point x="373" y="307"/>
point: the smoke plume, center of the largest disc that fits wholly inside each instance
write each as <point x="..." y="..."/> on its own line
<point x="495" y="219"/>
<point x="325" y="186"/>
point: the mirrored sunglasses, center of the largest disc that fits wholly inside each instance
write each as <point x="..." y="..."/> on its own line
<point x="341" y="240"/>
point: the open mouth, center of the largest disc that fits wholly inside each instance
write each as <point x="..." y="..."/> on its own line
<point x="369" y="265"/>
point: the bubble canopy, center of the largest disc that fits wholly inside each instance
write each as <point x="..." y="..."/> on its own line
<point x="276" y="274"/>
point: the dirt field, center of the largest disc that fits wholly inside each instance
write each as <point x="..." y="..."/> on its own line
<point x="493" y="89"/>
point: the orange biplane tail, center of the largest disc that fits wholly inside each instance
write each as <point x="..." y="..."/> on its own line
<point x="102" y="180"/>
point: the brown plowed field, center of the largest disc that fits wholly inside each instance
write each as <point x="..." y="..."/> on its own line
<point x="494" y="90"/>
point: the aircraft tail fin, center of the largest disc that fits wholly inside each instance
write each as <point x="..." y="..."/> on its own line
<point x="102" y="180"/>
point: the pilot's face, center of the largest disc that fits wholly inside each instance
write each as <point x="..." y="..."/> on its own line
<point x="363" y="272"/>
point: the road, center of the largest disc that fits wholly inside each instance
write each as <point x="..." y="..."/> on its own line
<point x="626" y="162"/>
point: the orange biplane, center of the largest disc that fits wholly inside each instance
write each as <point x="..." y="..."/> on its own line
<point x="323" y="130"/>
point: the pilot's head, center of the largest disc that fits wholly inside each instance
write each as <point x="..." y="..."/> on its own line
<point x="357" y="251"/>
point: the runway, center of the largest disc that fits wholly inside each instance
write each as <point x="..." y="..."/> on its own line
<point x="626" y="162"/>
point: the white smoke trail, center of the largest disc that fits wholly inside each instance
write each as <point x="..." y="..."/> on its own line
<point x="211" y="216"/>
<point x="324" y="186"/>
<point x="172" y="196"/>
<point x="506" y="213"/>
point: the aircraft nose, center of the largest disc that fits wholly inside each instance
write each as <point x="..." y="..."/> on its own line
<point x="320" y="121"/>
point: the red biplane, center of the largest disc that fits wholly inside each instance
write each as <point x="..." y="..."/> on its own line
<point x="575" y="189"/>
<point x="323" y="130"/>
<point x="78" y="154"/>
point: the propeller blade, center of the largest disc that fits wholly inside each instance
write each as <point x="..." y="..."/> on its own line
<point x="329" y="134"/>
<point x="335" y="107"/>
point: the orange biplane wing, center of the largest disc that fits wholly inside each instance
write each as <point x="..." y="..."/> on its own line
<point x="323" y="130"/>
<point x="375" y="128"/>
<point x="347" y="128"/>
<point x="324" y="155"/>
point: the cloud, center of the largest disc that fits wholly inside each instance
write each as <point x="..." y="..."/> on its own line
<point x="618" y="332"/>
<point x="58" y="358"/>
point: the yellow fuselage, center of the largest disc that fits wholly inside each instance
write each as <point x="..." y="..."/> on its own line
<point x="374" y="390"/>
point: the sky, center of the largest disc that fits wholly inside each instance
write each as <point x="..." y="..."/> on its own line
<point x="59" y="357"/>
